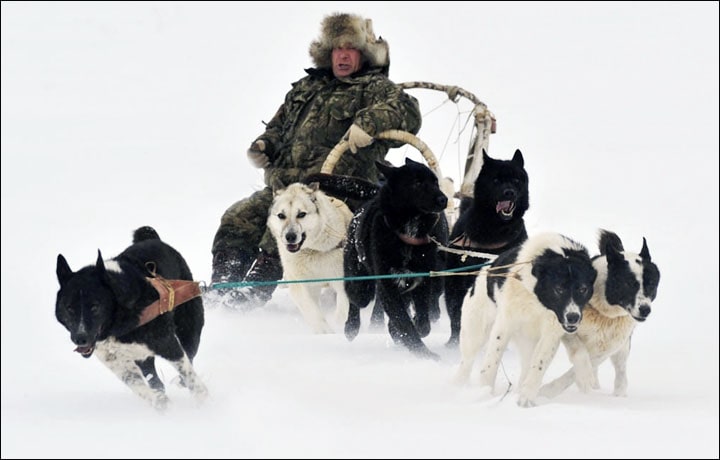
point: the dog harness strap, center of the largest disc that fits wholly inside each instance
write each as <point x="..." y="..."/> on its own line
<point x="463" y="241"/>
<point x="407" y="239"/>
<point x="172" y="293"/>
<point x="412" y="240"/>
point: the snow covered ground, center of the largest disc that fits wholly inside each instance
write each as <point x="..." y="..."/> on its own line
<point x="119" y="115"/>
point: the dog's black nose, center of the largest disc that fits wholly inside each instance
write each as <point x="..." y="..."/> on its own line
<point x="509" y="193"/>
<point x="291" y="237"/>
<point x="442" y="200"/>
<point x="572" y="318"/>
<point x="644" y="310"/>
<point x="80" y="339"/>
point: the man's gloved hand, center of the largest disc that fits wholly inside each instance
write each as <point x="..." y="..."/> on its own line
<point x="257" y="156"/>
<point x="357" y="138"/>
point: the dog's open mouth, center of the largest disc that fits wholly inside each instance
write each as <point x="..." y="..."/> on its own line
<point x="86" y="351"/>
<point x="505" y="208"/>
<point x="295" y="247"/>
<point x="570" y="328"/>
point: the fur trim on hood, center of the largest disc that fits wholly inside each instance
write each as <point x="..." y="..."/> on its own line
<point x="349" y="29"/>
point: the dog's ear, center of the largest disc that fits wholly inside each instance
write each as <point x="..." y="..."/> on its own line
<point x="385" y="170"/>
<point x="609" y="239"/>
<point x="645" y="252"/>
<point x="277" y="186"/>
<point x="518" y="158"/>
<point x="99" y="263"/>
<point x="613" y="255"/>
<point x="63" y="271"/>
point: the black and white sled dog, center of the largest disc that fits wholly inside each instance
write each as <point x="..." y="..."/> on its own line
<point x="392" y="234"/>
<point x="533" y="294"/>
<point x="310" y="229"/>
<point x="122" y="311"/>
<point x="625" y="288"/>
<point x="489" y="223"/>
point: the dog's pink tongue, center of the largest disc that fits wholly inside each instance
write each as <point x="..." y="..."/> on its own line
<point x="502" y="206"/>
<point x="84" y="350"/>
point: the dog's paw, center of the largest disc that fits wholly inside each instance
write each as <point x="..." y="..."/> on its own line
<point x="620" y="392"/>
<point x="422" y="327"/>
<point x="351" y="330"/>
<point x="322" y="327"/>
<point x="160" y="402"/>
<point x="452" y="342"/>
<point x="425" y="353"/>
<point x="200" y="392"/>
<point x="584" y="385"/>
<point x="524" y="401"/>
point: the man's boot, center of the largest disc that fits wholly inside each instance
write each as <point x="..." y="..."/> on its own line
<point x="267" y="268"/>
<point x="229" y="265"/>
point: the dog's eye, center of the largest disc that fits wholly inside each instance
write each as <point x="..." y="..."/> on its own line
<point x="301" y="214"/>
<point x="559" y="290"/>
<point x="582" y="289"/>
<point x="281" y="216"/>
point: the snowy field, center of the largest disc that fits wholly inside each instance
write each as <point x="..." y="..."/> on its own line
<point x="120" y="115"/>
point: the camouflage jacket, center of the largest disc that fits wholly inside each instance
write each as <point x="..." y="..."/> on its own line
<point x="320" y="108"/>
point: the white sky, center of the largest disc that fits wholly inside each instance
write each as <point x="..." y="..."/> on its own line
<point x="121" y="115"/>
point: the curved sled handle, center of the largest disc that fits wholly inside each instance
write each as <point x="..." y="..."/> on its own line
<point x="446" y="184"/>
<point x="485" y="124"/>
<point x="393" y="135"/>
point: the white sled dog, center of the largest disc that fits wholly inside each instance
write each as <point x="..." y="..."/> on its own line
<point x="533" y="294"/>
<point x="625" y="287"/>
<point x="310" y="228"/>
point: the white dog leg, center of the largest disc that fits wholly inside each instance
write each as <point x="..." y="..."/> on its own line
<point x="542" y="357"/>
<point x="125" y="368"/>
<point x="619" y="361"/>
<point x="307" y="299"/>
<point x="585" y="372"/>
<point x="478" y="315"/>
<point x="342" y="303"/>
<point x="497" y="343"/>
<point x="190" y="378"/>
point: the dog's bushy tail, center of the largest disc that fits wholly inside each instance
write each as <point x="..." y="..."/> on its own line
<point x="344" y="186"/>
<point x="145" y="233"/>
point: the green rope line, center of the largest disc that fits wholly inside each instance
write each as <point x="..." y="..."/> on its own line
<point x="351" y="278"/>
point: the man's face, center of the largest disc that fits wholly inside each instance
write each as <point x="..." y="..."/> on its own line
<point x="345" y="61"/>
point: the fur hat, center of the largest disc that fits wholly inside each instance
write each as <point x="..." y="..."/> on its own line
<point x="341" y="29"/>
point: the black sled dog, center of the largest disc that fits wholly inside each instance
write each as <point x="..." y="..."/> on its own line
<point x="489" y="223"/>
<point x="123" y="311"/>
<point x="391" y="234"/>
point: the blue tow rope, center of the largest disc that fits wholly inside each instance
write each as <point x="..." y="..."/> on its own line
<point x="350" y="278"/>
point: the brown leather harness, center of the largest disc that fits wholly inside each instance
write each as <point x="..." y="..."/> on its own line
<point x="172" y="293"/>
